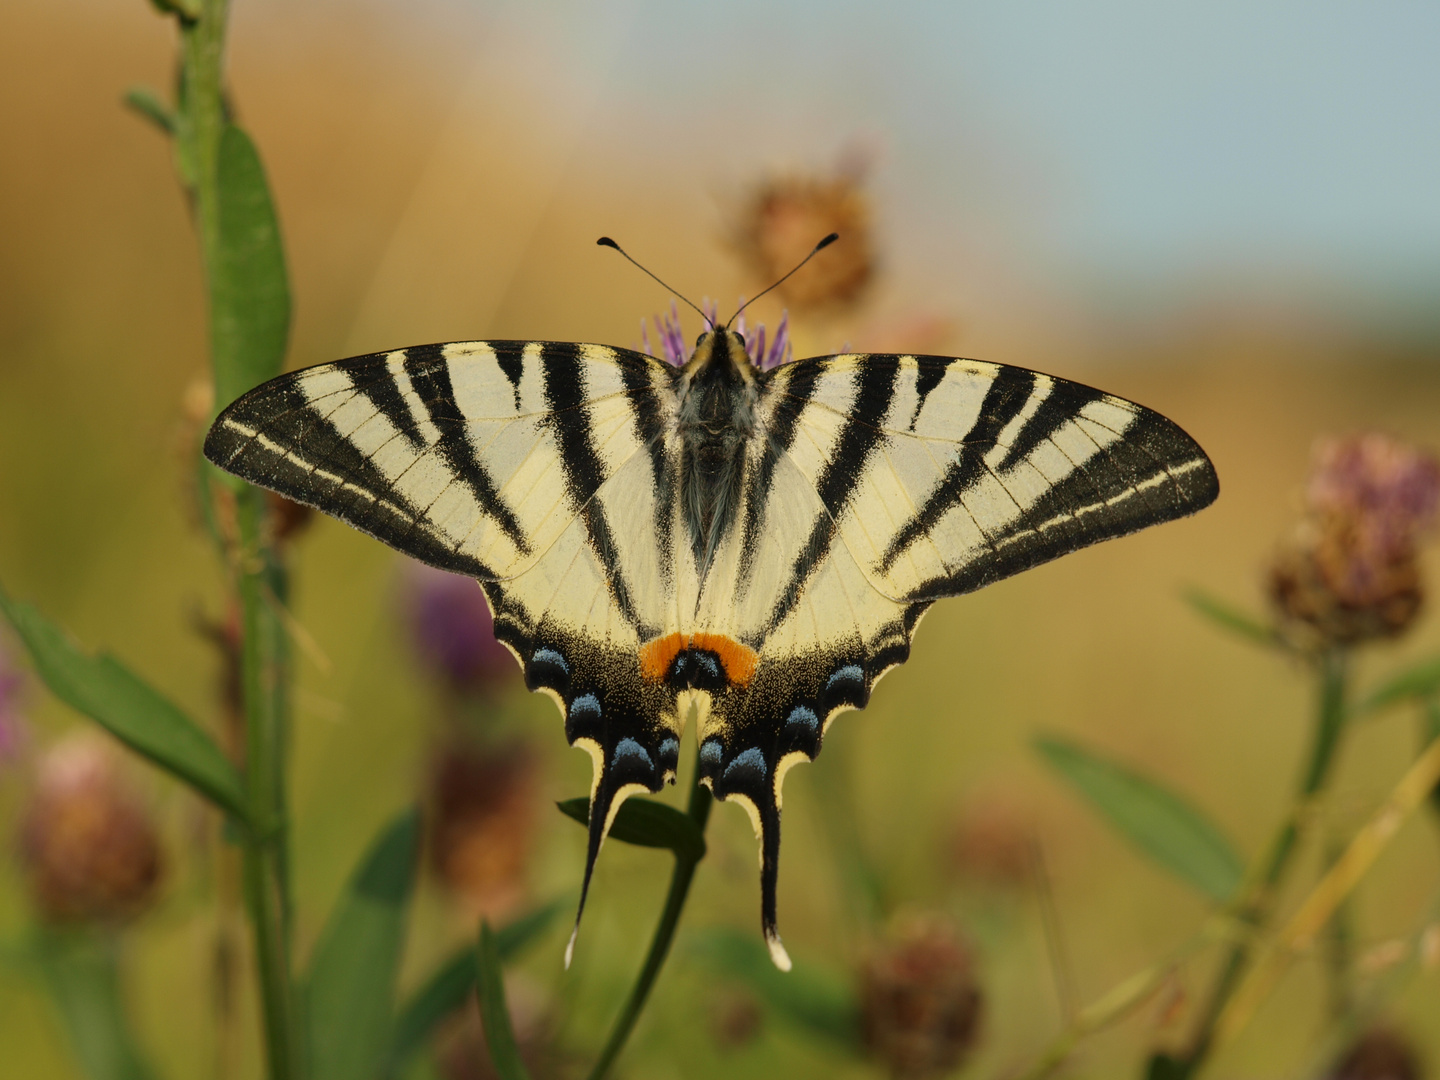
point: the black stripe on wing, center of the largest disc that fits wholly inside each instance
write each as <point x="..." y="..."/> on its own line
<point x="1004" y="401"/>
<point x="273" y="437"/>
<point x="569" y="420"/>
<point x="1153" y="473"/>
<point x="875" y="380"/>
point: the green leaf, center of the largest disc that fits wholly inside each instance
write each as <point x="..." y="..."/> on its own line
<point x="249" y="291"/>
<point x="1155" y="819"/>
<point x="1417" y="682"/>
<point x="83" y="977"/>
<point x="490" y="987"/>
<point x="145" y="102"/>
<point x="1233" y="619"/>
<point x="820" y="1002"/>
<point x="451" y="984"/>
<point x="110" y="694"/>
<point x="647" y="823"/>
<point x="351" y="989"/>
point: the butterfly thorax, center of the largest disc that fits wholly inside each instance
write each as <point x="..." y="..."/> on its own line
<point x="716" y="420"/>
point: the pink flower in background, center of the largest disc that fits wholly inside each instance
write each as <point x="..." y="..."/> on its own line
<point x="14" y="733"/>
<point x="452" y="630"/>
<point x="1389" y="489"/>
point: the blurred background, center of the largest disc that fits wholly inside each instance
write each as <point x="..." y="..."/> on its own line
<point x="1226" y="212"/>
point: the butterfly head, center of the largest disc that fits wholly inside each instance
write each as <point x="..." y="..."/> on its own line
<point x="720" y="357"/>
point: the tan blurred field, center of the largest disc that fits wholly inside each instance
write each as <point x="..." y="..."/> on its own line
<point x="427" y="195"/>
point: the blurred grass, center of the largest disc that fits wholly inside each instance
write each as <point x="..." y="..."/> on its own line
<point x="414" y="213"/>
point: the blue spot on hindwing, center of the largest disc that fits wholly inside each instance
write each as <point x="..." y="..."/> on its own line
<point x="802" y="722"/>
<point x="711" y="754"/>
<point x="628" y="750"/>
<point x="845" y="687"/>
<point x="669" y="753"/>
<point x="585" y="707"/>
<point x="748" y="765"/>
<point x="547" y="668"/>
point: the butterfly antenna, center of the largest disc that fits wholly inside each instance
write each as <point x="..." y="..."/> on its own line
<point x="813" y="252"/>
<point x="605" y="241"/>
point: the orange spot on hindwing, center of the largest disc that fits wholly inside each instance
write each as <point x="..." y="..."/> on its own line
<point x="739" y="661"/>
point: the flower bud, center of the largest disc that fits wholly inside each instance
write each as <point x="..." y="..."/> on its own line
<point x="88" y="842"/>
<point x="919" y="1002"/>
<point x="993" y="843"/>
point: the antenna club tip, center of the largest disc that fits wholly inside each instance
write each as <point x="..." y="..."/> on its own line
<point x="605" y="241"/>
<point x="823" y="243"/>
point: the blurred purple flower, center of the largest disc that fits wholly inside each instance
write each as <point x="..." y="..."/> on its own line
<point x="1349" y="570"/>
<point x="14" y="733"/>
<point x="1390" y="489"/>
<point x="452" y="630"/>
<point x="674" y="350"/>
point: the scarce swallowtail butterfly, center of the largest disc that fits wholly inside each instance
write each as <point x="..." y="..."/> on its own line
<point x="757" y="546"/>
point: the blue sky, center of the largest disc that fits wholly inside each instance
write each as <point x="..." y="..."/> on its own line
<point x="1111" y="145"/>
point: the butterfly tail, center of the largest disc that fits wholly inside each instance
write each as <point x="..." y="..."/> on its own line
<point x="769" y="817"/>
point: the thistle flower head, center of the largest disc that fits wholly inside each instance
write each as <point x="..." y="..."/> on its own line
<point x="919" y="1001"/>
<point x="452" y="630"/>
<point x="1349" y="570"/>
<point x="88" y="842"/>
<point x="674" y="350"/>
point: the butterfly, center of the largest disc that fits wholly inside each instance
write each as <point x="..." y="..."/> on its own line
<point x="751" y="547"/>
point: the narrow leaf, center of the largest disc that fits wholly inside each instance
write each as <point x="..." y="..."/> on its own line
<point x="351" y="989"/>
<point x="647" y="823"/>
<point x="146" y="103"/>
<point x="110" y="694"/>
<point x="249" y="290"/>
<point x="490" y="987"/>
<point x="1232" y="618"/>
<point x="452" y="983"/>
<point x="819" y="1002"/>
<point x="1162" y="824"/>
<point x="1419" y="681"/>
<point x="84" y="982"/>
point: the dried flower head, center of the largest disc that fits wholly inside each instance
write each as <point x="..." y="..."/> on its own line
<point x="782" y="220"/>
<point x="920" y="1005"/>
<point x="1379" y="1054"/>
<point x="481" y="823"/>
<point x="88" y="842"/>
<point x="1349" y="571"/>
<point x="453" y="632"/>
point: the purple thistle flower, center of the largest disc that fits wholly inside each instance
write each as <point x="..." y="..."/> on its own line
<point x="452" y="630"/>
<point x="674" y="350"/>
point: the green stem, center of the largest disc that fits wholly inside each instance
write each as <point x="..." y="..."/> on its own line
<point x="1255" y="912"/>
<point x="266" y="877"/>
<point x="699" y="811"/>
<point x="260" y="579"/>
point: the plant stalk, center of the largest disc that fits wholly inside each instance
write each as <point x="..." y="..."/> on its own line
<point x="699" y="811"/>
<point x="1331" y="669"/>
<point x="260" y="579"/>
